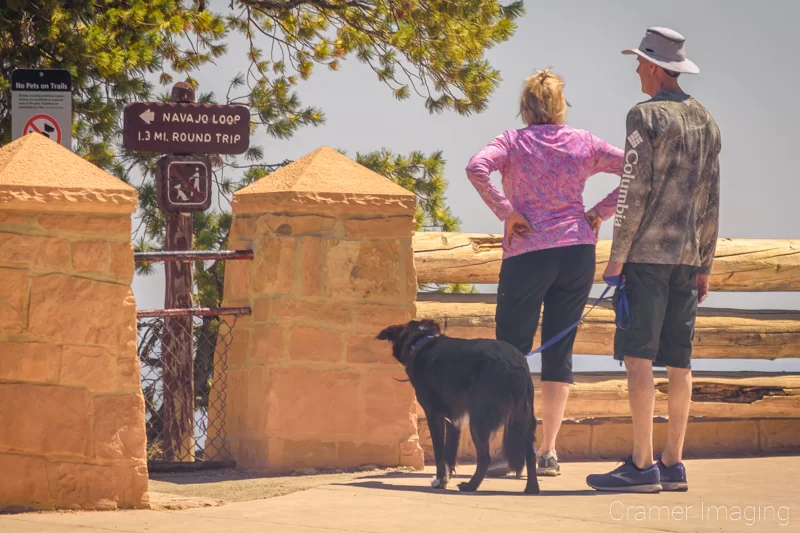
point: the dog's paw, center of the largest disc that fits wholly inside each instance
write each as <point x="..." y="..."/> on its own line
<point x="532" y="489"/>
<point x="467" y="487"/>
<point x="439" y="483"/>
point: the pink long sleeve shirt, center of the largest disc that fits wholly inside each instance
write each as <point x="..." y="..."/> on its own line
<point x="544" y="169"/>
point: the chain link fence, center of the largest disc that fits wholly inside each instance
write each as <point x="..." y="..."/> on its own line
<point x="183" y="372"/>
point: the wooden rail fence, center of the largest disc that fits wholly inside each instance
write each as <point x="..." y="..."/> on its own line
<point x="741" y="265"/>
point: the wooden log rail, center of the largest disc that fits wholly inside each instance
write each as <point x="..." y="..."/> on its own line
<point x="721" y="395"/>
<point x="714" y="395"/>
<point x="740" y="264"/>
<point x="719" y="333"/>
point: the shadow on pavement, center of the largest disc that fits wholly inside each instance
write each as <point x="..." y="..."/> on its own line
<point x="454" y="490"/>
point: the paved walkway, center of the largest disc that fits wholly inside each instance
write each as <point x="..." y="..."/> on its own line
<point x="759" y="494"/>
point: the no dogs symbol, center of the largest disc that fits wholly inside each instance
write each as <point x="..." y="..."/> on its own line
<point x="44" y="124"/>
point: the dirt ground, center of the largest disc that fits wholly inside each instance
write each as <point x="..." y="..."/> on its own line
<point x="174" y="491"/>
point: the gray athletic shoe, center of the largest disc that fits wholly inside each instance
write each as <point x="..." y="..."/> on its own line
<point x="498" y="467"/>
<point x="547" y="464"/>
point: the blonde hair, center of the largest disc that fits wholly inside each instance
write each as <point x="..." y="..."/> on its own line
<point x="542" y="100"/>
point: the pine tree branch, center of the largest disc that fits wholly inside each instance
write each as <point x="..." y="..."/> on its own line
<point x="291" y="4"/>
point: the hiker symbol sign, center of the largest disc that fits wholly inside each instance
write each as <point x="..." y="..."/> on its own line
<point x="183" y="184"/>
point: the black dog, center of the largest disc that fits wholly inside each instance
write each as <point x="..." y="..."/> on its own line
<point x="486" y="380"/>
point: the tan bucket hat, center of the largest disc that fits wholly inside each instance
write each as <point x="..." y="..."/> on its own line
<point x="665" y="48"/>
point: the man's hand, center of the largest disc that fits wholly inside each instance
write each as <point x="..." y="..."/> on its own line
<point x="702" y="288"/>
<point x="595" y="220"/>
<point x="517" y="226"/>
<point x="613" y="270"/>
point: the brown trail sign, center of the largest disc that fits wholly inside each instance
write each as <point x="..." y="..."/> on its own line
<point x="184" y="185"/>
<point x="186" y="128"/>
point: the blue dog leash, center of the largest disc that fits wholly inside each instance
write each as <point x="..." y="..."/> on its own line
<point x="612" y="282"/>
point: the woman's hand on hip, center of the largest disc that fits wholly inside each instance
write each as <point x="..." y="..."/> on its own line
<point x="517" y="226"/>
<point x="595" y="220"/>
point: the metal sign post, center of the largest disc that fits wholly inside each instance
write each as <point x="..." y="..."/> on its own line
<point x="183" y="184"/>
<point x="41" y="102"/>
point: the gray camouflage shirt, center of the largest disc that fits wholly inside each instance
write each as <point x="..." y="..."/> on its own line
<point x="668" y="203"/>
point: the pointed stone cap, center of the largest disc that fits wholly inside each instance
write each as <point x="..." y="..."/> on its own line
<point x="37" y="174"/>
<point x="324" y="181"/>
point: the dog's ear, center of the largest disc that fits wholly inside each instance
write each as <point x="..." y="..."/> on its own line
<point x="430" y="326"/>
<point x="392" y="333"/>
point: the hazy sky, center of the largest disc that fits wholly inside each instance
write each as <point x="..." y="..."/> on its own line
<point x="748" y="78"/>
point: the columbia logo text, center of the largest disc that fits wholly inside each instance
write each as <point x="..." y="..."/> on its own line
<point x="635" y="139"/>
<point x="631" y="158"/>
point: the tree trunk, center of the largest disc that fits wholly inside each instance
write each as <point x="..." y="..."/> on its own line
<point x="178" y="346"/>
<point x="719" y="333"/>
<point x="739" y="265"/>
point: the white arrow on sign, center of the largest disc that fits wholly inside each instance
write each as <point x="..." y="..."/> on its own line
<point x="148" y="116"/>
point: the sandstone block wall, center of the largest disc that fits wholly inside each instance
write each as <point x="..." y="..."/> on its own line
<point x="308" y="384"/>
<point x="72" y="431"/>
<point x="598" y="439"/>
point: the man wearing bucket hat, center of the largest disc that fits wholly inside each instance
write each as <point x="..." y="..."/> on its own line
<point x="665" y="234"/>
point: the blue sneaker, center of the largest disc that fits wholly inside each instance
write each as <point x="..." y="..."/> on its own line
<point x="673" y="478"/>
<point x="627" y="478"/>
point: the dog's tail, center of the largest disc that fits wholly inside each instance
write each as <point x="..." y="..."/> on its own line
<point x="520" y="431"/>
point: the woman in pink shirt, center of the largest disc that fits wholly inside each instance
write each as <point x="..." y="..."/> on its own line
<point x="549" y="242"/>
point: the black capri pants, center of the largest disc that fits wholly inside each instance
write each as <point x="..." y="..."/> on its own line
<point x="560" y="278"/>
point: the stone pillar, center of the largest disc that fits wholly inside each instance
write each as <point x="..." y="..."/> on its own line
<point x="308" y="384"/>
<point x="72" y="430"/>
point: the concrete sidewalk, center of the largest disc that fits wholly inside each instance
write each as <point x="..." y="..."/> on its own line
<point x="753" y="494"/>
